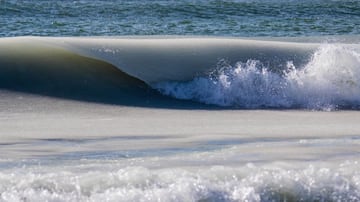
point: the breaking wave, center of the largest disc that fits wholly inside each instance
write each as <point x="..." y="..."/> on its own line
<point x="216" y="183"/>
<point x="330" y="80"/>
<point x="125" y="71"/>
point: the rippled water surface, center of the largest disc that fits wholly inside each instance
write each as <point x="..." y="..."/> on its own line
<point x="74" y="128"/>
<point x="185" y="17"/>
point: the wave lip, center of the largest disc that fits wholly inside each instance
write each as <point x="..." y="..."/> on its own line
<point x="268" y="73"/>
<point x="40" y="66"/>
<point x="330" y="80"/>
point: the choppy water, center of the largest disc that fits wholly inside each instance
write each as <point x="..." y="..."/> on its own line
<point x="190" y="17"/>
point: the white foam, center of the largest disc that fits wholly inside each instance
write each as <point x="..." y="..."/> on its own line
<point x="216" y="183"/>
<point x="331" y="79"/>
<point x="278" y="170"/>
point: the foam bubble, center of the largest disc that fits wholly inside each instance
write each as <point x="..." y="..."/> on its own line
<point x="330" y="80"/>
<point x="216" y="183"/>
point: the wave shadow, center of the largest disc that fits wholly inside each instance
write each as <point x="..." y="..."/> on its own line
<point x="61" y="74"/>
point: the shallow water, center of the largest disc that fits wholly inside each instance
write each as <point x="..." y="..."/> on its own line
<point x="75" y="151"/>
<point x="177" y="118"/>
<point x="245" y="169"/>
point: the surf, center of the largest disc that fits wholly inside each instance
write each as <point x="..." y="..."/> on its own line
<point x="330" y="80"/>
<point x="225" y="72"/>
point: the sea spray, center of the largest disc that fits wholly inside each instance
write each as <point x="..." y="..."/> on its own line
<point x="215" y="183"/>
<point x="330" y="80"/>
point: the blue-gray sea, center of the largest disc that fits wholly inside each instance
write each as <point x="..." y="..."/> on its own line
<point x="180" y="100"/>
<point x="185" y="17"/>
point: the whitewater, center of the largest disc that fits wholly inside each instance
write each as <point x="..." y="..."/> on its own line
<point x="330" y="80"/>
<point x="163" y="100"/>
<point x="175" y="118"/>
<point x="227" y="72"/>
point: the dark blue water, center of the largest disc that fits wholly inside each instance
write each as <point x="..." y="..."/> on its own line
<point x="185" y="17"/>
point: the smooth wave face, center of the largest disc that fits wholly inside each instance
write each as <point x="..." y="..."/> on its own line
<point x="227" y="72"/>
<point x="80" y="121"/>
<point x="92" y="108"/>
<point x="330" y="80"/>
<point x="41" y="69"/>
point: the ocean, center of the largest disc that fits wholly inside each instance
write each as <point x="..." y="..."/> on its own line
<point x="236" y="100"/>
<point x="247" y="18"/>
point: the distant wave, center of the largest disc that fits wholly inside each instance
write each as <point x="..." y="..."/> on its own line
<point x="330" y="80"/>
<point x="227" y="72"/>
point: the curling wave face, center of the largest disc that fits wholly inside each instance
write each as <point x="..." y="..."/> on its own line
<point x="80" y="148"/>
<point x="227" y="72"/>
<point x="330" y="80"/>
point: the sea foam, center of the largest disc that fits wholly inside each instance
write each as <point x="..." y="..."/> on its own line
<point x="330" y="80"/>
<point x="215" y="183"/>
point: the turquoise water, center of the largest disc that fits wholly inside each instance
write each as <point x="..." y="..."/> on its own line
<point x="186" y="17"/>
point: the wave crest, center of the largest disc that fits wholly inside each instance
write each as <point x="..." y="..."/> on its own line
<point x="330" y="80"/>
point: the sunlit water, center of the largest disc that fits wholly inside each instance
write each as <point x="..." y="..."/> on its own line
<point x="186" y="17"/>
<point x="203" y="165"/>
